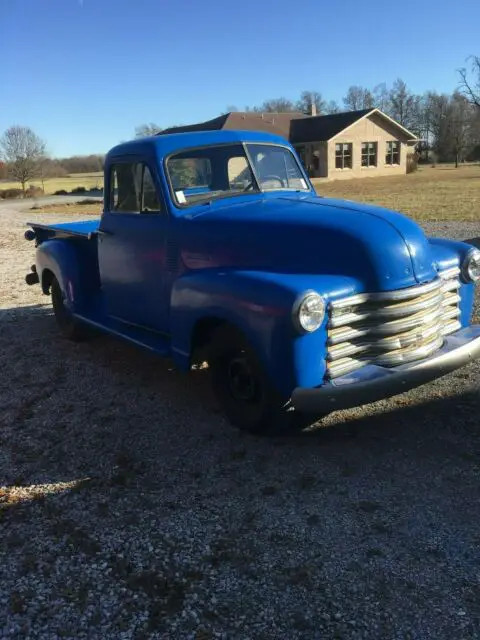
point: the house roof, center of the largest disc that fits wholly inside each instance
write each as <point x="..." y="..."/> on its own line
<point x="294" y="126"/>
<point x="323" y="128"/>
<point x="276" y="123"/>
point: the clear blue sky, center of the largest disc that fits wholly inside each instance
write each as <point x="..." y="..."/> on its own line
<point x="84" y="73"/>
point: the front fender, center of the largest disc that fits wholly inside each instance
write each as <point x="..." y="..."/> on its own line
<point x="260" y="305"/>
<point x="60" y="258"/>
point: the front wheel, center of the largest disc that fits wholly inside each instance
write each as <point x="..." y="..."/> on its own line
<point x="243" y="390"/>
<point x="69" y="326"/>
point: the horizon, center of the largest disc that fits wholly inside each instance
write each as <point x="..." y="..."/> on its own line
<point x="83" y="82"/>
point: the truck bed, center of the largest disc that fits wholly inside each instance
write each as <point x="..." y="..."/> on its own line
<point x="85" y="229"/>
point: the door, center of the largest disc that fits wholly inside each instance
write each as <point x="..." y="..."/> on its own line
<point x="131" y="249"/>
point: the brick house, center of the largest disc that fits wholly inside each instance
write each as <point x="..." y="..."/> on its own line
<point x="354" y="144"/>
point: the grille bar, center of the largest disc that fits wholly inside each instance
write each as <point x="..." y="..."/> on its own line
<point x="392" y="327"/>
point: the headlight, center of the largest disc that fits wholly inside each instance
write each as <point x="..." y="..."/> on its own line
<point x="309" y="312"/>
<point x="471" y="266"/>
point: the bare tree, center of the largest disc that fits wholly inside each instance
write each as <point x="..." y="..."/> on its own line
<point x="311" y="103"/>
<point x="461" y="121"/>
<point x="470" y="87"/>
<point x="276" y="105"/>
<point x="404" y="106"/>
<point x="332" y="107"/>
<point x="145" y="130"/>
<point x="358" y="98"/>
<point x="381" y="97"/>
<point x="22" y="150"/>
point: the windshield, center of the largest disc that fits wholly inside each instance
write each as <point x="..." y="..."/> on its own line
<point x="222" y="171"/>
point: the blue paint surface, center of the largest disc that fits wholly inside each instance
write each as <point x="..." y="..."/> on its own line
<point x="244" y="260"/>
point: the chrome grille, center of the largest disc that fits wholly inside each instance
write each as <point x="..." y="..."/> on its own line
<point x="393" y="327"/>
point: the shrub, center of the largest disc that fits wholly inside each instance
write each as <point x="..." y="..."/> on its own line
<point x="34" y="192"/>
<point x="12" y="193"/>
<point x="61" y="192"/>
<point x="2" y="194"/>
<point x="79" y="190"/>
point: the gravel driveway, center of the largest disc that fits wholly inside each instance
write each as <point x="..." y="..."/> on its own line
<point x="130" y="509"/>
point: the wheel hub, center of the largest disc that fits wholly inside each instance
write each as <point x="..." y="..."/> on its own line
<point x="241" y="380"/>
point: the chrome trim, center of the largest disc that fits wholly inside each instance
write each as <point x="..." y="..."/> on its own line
<point x="408" y="338"/>
<point x="447" y="274"/>
<point x="402" y="329"/>
<point x="454" y="312"/>
<point x="402" y="356"/>
<point x="465" y="276"/>
<point x="346" y="349"/>
<point x="344" y="333"/>
<point x="398" y="294"/>
<point x="346" y="365"/>
<point x="296" y="310"/>
<point x="451" y="327"/>
<point x="375" y="383"/>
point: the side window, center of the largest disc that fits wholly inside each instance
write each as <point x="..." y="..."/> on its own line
<point x="150" y="201"/>
<point x="133" y="189"/>
<point x="125" y="185"/>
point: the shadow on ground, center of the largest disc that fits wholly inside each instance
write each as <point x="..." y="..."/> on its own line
<point x="109" y="401"/>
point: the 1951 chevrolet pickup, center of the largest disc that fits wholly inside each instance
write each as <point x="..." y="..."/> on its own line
<point x="215" y="245"/>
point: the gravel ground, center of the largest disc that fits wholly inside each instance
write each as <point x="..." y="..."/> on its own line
<point x="130" y="509"/>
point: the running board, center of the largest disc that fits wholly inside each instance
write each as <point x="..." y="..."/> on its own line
<point x="145" y="338"/>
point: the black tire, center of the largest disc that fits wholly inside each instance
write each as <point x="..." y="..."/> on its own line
<point x="243" y="390"/>
<point x="69" y="326"/>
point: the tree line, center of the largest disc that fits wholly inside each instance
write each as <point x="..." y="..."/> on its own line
<point x="448" y="125"/>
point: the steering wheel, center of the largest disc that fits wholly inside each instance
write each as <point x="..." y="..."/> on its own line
<point x="270" y="177"/>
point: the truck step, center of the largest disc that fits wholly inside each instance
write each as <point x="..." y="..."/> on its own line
<point x="148" y="339"/>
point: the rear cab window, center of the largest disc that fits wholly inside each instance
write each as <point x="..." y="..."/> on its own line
<point x="132" y="189"/>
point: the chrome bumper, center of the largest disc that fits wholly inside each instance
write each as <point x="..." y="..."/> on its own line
<point x="372" y="382"/>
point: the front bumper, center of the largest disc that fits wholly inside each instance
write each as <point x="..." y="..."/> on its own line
<point x="372" y="382"/>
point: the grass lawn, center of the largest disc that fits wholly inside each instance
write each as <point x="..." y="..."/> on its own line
<point x="87" y="180"/>
<point x="82" y="207"/>
<point x="440" y="193"/>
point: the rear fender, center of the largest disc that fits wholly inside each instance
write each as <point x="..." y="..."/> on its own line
<point x="60" y="258"/>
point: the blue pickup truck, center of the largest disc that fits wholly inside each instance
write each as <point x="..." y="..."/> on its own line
<point x="214" y="247"/>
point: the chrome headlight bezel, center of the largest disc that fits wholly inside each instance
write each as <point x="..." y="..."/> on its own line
<point x="300" y="311"/>
<point x="472" y="257"/>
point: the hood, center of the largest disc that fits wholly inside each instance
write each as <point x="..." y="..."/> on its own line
<point x="383" y="249"/>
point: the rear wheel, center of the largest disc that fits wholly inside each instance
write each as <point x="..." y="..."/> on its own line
<point x="71" y="328"/>
<point x="243" y="390"/>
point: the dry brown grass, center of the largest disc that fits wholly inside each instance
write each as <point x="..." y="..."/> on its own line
<point x="89" y="207"/>
<point x="87" y="180"/>
<point x="440" y="193"/>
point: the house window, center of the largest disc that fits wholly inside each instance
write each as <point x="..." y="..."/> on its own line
<point x="369" y="154"/>
<point x="343" y="155"/>
<point x="393" y="152"/>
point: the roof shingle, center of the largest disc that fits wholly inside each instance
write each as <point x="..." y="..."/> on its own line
<point x="322" y="128"/>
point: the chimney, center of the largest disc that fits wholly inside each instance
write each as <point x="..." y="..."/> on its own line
<point x="313" y="109"/>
